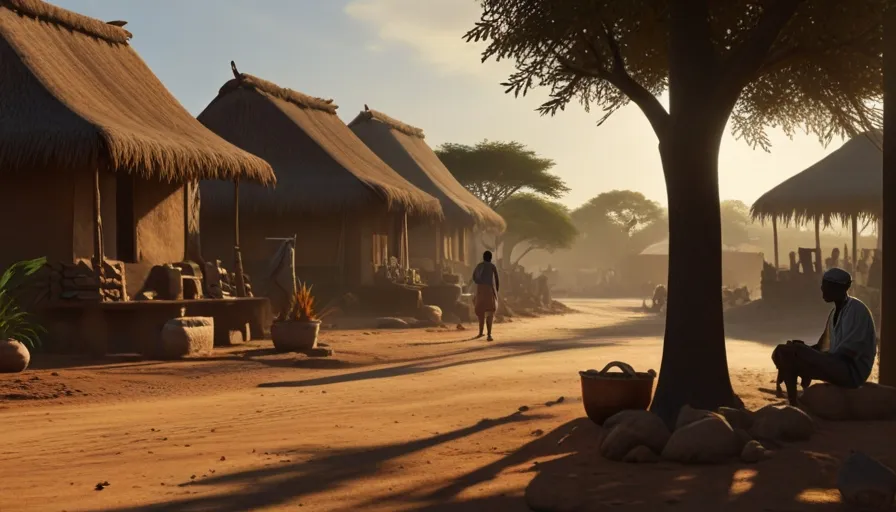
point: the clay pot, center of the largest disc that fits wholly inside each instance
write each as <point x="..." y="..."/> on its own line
<point x="295" y="336"/>
<point x="14" y="356"/>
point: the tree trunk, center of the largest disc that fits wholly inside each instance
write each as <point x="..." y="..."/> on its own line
<point x="694" y="368"/>
<point x="888" y="239"/>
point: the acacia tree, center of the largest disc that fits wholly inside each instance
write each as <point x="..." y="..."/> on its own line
<point x="735" y="219"/>
<point x="537" y="222"/>
<point x="495" y="171"/>
<point x="811" y="64"/>
<point x="613" y="224"/>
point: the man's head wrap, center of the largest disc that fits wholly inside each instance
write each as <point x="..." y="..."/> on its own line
<point x="838" y="276"/>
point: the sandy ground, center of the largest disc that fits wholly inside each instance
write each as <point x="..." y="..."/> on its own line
<point x="406" y="420"/>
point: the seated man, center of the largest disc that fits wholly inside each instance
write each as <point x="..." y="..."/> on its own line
<point x="850" y="335"/>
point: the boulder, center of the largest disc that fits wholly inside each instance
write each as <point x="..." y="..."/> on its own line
<point x="869" y="402"/>
<point x="754" y="452"/>
<point x="14" y="356"/>
<point x="188" y="336"/>
<point x="743" y="437"/>
<point x="737" y="418"/>
<point x="641" y="455"/>
<point x="707" y="441"/>
<point x="689" y="415"/>
<point x="782" y="423"/>
<point x="432" y="314"/>
<point x="866" y="483"/>
<point x="630" y="429"/>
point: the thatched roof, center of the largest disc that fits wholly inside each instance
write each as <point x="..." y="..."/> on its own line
<point x="75" y="95"/>
<point x="845" y="183"/>
<point x="403" y="147"/>
<point x="321" y="165"/>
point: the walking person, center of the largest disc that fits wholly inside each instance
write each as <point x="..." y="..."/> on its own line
<point x="485" y="277"/>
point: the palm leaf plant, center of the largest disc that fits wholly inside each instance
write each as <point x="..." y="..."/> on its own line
<point x="14" y="322"/>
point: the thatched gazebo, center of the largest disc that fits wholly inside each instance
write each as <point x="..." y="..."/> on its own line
<point x="404" y="148"/>
<point x="844" y="186"/>
<point x="347" y="209"/>
<point x="96" y="156"/>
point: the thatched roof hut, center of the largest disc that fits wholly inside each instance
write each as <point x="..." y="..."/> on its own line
<point x="321" y="166"/>
<point x="844" y="184"/>
<point x="75" y="95"/>
<point x="403" y="147"/>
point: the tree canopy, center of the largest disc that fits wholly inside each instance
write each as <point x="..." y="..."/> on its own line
<point x="614" y="224"/>
<point x="537" y="222"/>
<point x="735" y="220"/>
<point x="495" y="171"/>
<point x="795" y="64"/>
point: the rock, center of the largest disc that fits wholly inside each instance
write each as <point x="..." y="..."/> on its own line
<point x="14" y="356"/>
<point x="432" y="314"/>
<point x="737" y="418"/>
<point x="707" y="441"/>
<point x="754" y="452"/>
<point x="318" y="352"/>
<point x="743" y="437"/>
<point x="866" y="483"/>
<point x="689" y="415"/>
<point x="641" y="455"/>
<point x="188" y="336"/>
<point x="391" y="323"/>
<point x="785" y="423"/>
<point x="630" y="429"/>
<point x="826" y="401"/>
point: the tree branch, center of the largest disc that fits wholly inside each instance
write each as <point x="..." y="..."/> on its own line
<point x="745" y="61"/>
<point x="528" y="249"/>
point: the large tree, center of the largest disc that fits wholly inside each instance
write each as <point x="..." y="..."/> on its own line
<point x="495" y="171"/>
<point x="811" y="64"/>
<point x="535" y="222"/>
<point x="888" y="231"/>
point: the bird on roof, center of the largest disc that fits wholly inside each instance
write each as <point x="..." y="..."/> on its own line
<point x="366" y="108"/>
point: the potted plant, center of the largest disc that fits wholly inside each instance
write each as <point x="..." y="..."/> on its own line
<point x="298" y="331"/>
<point x="17" y="332"/>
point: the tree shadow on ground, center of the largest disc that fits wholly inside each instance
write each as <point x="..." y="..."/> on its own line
<point x="290" y="482"/>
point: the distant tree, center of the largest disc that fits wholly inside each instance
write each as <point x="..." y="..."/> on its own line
<point x="609" y="225"/>
<point x="735" y="220"/>
<point x="535" y="222"/>
<point x="495" y="171"/>
<point x="811" y="64"/>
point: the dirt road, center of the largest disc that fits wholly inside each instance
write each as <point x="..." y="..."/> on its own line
<point x="410" y="420"/>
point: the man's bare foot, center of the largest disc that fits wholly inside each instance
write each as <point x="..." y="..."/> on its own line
<point x="479" y="336"/>
<point x="490" y="338"/>
<point x="779" y="392"/>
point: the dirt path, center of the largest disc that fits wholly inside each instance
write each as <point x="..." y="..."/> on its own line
<point x="407" y="420"/>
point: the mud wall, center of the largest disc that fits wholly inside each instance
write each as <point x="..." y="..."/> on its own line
<point x="738" y="269"/>
<point x="35" y="217"/>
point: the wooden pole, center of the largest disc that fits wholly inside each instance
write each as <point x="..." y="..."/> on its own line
<point x="775" y="236"/>
<point x="819" y="267"/>
<point x="237" y="257"/>
<point x="99" y="256"/>
<point x="855" y="245"/>
<point x="405" y="246"/>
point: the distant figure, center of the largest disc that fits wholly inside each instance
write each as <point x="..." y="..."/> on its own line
<point x="849" y="333"/>
<point x="659" y="298"/>
<point x="875" y="271"/>
<point x="834" y="260"/>
<point x="485" y="276"/>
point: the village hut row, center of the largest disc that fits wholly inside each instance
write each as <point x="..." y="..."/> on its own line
<point x="101" y="170"/>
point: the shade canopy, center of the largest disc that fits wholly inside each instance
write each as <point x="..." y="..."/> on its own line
<point x="847" y="183"/>
<point x="74" y="95"/>
<point x="404" y="148"/>
<point x="321" y="165"/>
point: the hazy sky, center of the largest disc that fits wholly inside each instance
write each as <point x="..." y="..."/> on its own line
<point x="407" y="59"/>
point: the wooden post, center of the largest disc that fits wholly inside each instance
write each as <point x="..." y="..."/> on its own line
<point x="237" y="257"/>
<point x="775" y="236"/>
<point x="99" y="256"/>
<point x="405" y="246"/>
<point x="819" y="262"/>
<point x="192" y="243"/>
<point x="855" y="245"/>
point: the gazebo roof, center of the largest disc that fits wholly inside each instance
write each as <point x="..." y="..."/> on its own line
<point x="75" y="95"/>
<point x="844" y="184"/>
